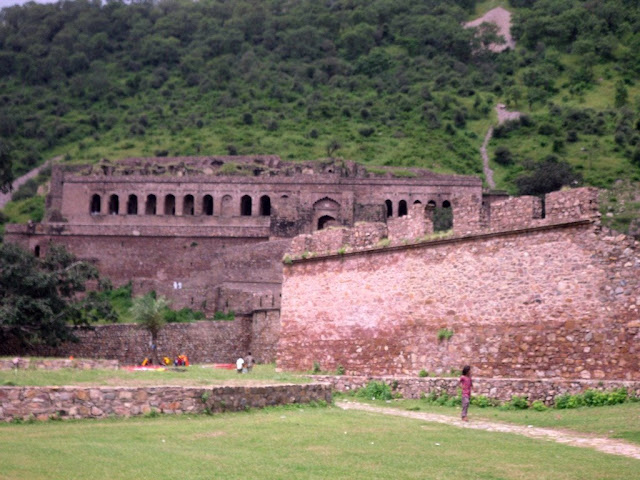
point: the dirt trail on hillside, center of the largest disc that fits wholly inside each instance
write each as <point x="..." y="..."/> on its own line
<point x="18" y="182"/>
<point x="502" y="19"/>
<point x="574" y="439"/>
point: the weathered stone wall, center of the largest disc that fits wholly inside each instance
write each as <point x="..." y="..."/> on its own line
<point x="546" y="301"/>
<point x="24" y="363"/>
<point x="265" y="330"/>
<point x="500" y="389"/>
<point x="202" y="342"/>
<point x="44" y="403"/>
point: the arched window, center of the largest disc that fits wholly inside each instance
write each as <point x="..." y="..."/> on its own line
<point x="169" y="205"/>
<point x="150" y="208"/>
<point x="326" y="221"/>
<point x="36" y="251"/>
<point x="402" y="208"/>
<point x="188" y="207"/>
<point x="207" y="205"/>
<point x="132" y="205"/>
<point x="245" y="206"/>
<point x="431" y="203"/>
<point x="417" y="202"/>
<point x="389" y="205"/>
<point x="114" y="205"/>
<point x="443" y="217"/>
<point x="265" y="205"/>
<point x="96" y="205"/>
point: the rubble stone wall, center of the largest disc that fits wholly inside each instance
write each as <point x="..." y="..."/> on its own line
<point x="44" y="403"/>
<point x="555" y="300"/>
<point x="500" y="389"/>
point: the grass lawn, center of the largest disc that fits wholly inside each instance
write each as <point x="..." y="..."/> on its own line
<point x="616" y="421"/>
<point x="288" y="443"/>
<point x="194" y="375"/>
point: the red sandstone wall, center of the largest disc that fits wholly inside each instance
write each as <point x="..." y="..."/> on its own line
<point x="549" y="302"/>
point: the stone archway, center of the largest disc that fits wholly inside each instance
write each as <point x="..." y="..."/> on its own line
<point x="326" y="212"/>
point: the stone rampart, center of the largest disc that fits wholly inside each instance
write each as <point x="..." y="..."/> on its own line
<point x="555" y="300"/>
<point x="35" y="363"/>
<point x="500" y="389"/>
<point x="44" y="403"/>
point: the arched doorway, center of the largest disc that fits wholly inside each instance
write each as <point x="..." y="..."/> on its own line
<point x="326" y="212"/>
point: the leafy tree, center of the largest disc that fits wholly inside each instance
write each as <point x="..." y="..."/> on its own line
<point x="40" y="297"/>
<point x="547" y="175"/>
<point x="148" y="311"/>
<point x="6" y="174"/>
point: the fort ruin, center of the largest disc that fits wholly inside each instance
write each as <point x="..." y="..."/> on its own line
<point x="524" y="287"/>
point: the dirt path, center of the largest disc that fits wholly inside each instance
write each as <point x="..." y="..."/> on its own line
<point x="6" y="197"/>
<point x="602" y="444"/>
<point x="488" y="173"/>
<point x="502" y="19"/>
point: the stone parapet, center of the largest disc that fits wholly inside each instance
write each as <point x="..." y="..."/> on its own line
<point x="44" y="403"/>
<point x="34" y="363"/>
<point x="500" y="389"/>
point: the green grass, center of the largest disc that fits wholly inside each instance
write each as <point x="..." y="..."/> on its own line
<point x="288" y="443"/>
<point x="194" y="375"/>
<point x="616" y="421"/>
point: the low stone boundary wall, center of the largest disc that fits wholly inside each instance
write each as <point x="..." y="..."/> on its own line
<point x="44" y="403"/>
<point x="501" y="389"/>
<point x="24" y="363"/>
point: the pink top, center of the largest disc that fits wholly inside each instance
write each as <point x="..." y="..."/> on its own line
<point x="466" y="384"/>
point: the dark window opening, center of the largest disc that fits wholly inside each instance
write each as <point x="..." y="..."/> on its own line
<point x="36" y="251"/>
<point x="402" y="208"/>
<point x="150" y="208"/>
<point x="169" y="205"/>
<point x="326" y="221"/>
<point x="265" y="206"/>
<point x="207" y="205"/>
<point x="245" y="206"/>
<point x="431" y="203"/>
<point x="389" y="205"/>
<point x="443" y="217"/>
<point x="417" y="202"/>
<point x="114" y="205"/>
<point x="132" y="205"/>
<point x="188" y="207"/>
<point x="96" y="202"/>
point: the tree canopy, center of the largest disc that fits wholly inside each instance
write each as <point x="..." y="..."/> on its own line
<point x="42" y="298"/>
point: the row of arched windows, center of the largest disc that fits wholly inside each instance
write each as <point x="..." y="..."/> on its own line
<point x="403" y="208"/>
<point x="150" y="205"/>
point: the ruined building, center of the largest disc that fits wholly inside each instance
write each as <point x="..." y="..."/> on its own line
<point x="210" y="232"/>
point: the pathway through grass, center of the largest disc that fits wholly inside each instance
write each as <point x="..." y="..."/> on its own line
<point x="602" y="444"/>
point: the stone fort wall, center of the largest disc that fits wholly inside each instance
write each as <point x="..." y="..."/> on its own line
<point x="545" y="295"/>
<point x="202" y="342"/>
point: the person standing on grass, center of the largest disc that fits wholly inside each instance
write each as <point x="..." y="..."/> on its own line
<point x="239" y="364"/>
<point x="466" y="384"/>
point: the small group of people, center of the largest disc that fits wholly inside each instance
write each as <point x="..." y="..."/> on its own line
<point x="179" y="361"/>
<point x="244" y="365"/>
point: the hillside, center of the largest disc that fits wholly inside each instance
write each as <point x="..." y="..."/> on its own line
<point x="383" y="82"/>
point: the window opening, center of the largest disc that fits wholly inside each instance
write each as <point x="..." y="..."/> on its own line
<point x="169" y="205"/>
<point x="245" y="206"/>
<point x="114" y="205"/>
<point x="389" y="205"/>
<point x="265" y="205"/>
<point x="150" y="208"/>
<point x="132" y="205"/>
<point x="188" y="207"/>
<point x="402" y="208"/>
<point x="95" y="204"/>
<point x="207" y="205"/>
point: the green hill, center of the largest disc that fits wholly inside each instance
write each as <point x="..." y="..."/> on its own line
<point x="389" y="82"/>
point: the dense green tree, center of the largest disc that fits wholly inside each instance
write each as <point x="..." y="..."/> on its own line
<point x="6" y="173"/>
<point x="41" y="299"/>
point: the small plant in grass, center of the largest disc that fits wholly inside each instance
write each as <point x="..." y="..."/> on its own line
<point x="340" y="370"/>
<point x="375" y="391"/>
<point x="444" y="334"/>
<point x="423" y="373"/>
<point x="316" y="368"/>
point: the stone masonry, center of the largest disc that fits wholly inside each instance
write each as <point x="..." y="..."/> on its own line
<point x="537" y="296"/>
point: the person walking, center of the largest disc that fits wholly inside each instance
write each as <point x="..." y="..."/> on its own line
<point x="466" y="383"/>
<point x="239" y="364"/>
